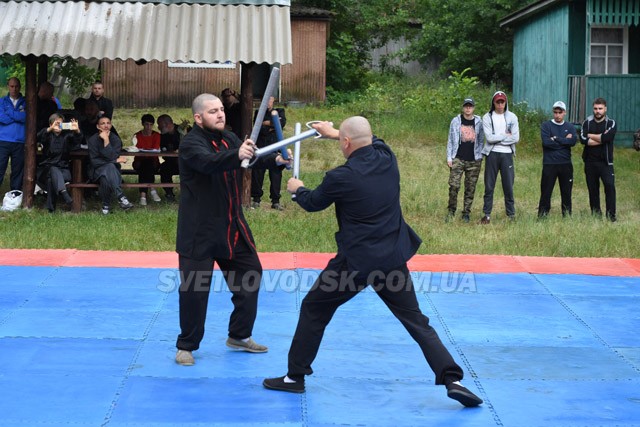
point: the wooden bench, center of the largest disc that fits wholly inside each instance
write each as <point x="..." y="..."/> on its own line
<point x="78" y="183"/>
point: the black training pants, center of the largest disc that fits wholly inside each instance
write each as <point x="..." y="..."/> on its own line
<point x="395" y="288"/>
<point x="242" y="274"/>
<point x="564" y="174"/>
<point x="594" y="173"/>
<point x="503" y="163"/>
<point x="275" y="182"/>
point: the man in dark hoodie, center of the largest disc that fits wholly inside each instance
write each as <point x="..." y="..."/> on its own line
<point x="597" y="134"/>
<point x="502" y="133"/>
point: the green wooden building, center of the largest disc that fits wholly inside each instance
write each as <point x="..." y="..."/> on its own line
<point x="576" y="51"/>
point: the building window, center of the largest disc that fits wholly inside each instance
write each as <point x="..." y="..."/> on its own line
<point x="227" y="65"/>
<point x="609" y="50"/>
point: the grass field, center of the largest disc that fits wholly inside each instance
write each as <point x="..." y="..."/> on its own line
<point x="418" y="137"/>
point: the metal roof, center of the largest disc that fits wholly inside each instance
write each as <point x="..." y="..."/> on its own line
<point x="174" y="32"/>
<point x="224" y="2"/>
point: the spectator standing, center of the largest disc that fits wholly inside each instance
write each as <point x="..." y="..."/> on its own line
<point x="105" y="104"/>
<point x="12" y="133"/>
<point x="231" y="103"/>
<point x="89" y="119"/>
<point x="267" y="137"/>
<point x="169" y="143"/>
<point x="464" y="157"/>
<point x="45" y="105"/>
<point x="557" y="137"/>
<point x="78" y="109"/>
<point x="147" y="139"/>
<point x="597" y="134"/>
<point x="502" y="133"/>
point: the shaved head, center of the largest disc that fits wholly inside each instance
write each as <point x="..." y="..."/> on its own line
<point x="197" y="107"/>
<point x="358" y="130"/>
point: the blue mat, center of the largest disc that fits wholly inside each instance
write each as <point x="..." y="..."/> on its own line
<point x="95" y="346"/>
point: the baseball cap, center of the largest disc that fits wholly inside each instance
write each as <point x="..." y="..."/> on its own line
<point x="500" y="95"/>
<point x="468" y="101"/>
<point x="560" y="104"/>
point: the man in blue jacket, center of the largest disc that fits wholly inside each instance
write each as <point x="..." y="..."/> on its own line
<point x="558" y="137"/>
<point x="12" y="131"/>
<point x="374" y="245"/>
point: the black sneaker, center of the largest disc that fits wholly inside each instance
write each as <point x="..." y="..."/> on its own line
<point x="465" y="218"/>
<point x="457" y="391"/>
<point x="277" y="206"/>
<point x="280" y="385"/>
<point x="66" y="197"/>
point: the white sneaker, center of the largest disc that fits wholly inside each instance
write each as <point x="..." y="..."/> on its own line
<point x="154" y="195"/>
<point x="143" y="201"/>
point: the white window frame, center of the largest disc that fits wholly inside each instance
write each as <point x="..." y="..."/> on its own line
<point x="218" y="65"/>
<point x="625" y="47"/>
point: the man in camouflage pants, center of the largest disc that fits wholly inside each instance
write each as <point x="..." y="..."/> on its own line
<point x="464" y="157"/>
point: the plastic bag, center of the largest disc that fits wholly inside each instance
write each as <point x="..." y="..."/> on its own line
<point x="12" y="201"/>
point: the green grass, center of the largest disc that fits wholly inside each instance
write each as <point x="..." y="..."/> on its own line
<point x="419" y="140"/>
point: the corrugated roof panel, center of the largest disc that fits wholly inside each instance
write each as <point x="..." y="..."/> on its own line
<point x="185" y="32"/>
<point x="222" y="2"/>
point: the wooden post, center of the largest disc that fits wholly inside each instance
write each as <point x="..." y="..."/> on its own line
<point x="43" y="73"/>
<point x="246" y="118"/>
<point x="29" y="176"/>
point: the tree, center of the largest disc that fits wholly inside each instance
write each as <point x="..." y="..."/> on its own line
<point x="457" y="34"/>
<point x="357" y="27"/>
<point x="78" y="77"/>
<point x="466" y="34"/>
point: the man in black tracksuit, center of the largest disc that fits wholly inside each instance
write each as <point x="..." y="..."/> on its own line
<point x="557" y="137"/>
<point x="374" y="245"/>
<point x="212" y="227"/>
<point x="597" y="135"/>
<point x="267" y="137"/>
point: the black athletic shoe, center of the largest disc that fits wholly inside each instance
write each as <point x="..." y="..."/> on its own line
<point x="280" y="385"/>
<point x="457" y="391"/>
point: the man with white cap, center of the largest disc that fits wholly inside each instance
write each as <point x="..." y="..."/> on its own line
<point x="502" y="133"/>
<point x="558" y="137"/>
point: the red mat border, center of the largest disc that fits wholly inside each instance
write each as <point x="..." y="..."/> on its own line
<point x="292" y="260"/>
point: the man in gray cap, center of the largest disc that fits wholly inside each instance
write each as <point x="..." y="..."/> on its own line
<point x="464" y="157"/>
<point x="558" y="137"/>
